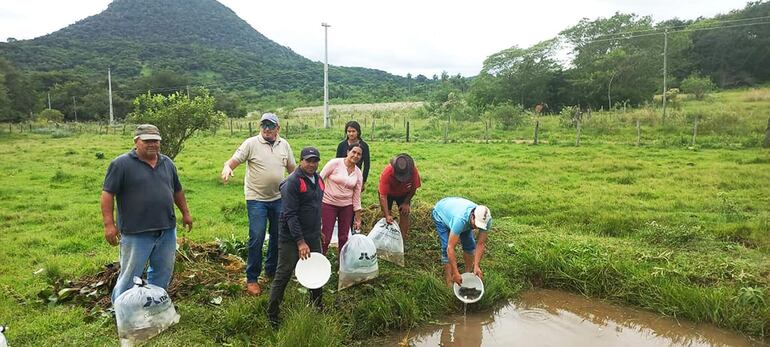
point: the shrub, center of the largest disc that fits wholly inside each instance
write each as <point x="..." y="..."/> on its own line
<point x="177" y="117"/>
<point x="508" y="115"/>
<point x="697" y="85"/>
<point x="568" y="116"/>
<point x="51" y="115"/>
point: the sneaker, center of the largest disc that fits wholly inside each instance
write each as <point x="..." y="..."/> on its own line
<point x="253" y="289"/>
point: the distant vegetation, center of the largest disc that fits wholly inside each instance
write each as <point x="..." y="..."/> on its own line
<point x="174" y="45"/>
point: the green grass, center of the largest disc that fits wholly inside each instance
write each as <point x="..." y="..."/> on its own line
<point x="682" y="232"/>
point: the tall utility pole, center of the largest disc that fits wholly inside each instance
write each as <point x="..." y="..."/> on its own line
<point x="665" y="56"/>
<point x="326" y="74"/>
<point x="109" y="83"/>
<point x="75" y="109"/>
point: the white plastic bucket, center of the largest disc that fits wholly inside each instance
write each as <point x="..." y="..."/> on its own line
<point x="469" y="281"/>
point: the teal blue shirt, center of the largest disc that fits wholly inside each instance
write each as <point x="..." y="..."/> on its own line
<point x="455" y="213"/>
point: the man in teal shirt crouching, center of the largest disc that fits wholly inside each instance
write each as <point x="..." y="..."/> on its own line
<point x="455" y="219"/>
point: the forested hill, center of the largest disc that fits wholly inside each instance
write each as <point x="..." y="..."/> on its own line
<point x="201" y="39"/>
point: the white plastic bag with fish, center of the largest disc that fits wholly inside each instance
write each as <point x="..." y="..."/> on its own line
<point x="358" y="261"/>
<point x="387" y="239"/>
<point x="143" y="312"/>
<point x="3" y="342"/>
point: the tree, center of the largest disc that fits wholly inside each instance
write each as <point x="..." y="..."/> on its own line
<point x="697" y="85"/>
<point x="734" y="55"/>
<point x="610" y="62"/>
<point x="518" y="75"/>
<point x="17" y="99"/>
<point x="177" y="117"/>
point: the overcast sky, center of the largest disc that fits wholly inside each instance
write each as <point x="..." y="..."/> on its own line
<point x="399" y="36"/>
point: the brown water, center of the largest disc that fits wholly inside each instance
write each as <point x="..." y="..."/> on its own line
<point x="555" y="318"/>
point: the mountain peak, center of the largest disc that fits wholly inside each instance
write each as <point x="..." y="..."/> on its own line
<point x="205" y="22"/>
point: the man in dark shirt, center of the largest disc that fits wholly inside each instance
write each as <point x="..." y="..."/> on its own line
<point x="300" y="228"/>
<point x="398" y="183"/>
<point x="146" y="186"/>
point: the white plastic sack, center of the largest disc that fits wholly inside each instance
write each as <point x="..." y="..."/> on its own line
<point x="335" y="240"/>
<point x="387" y="239"/>
<point x="3" y="342"/>
<point x="143" y="312"/>
<point x="358" y="261"/>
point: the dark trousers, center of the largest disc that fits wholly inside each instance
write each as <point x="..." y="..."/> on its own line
<point x="288" y="256"/>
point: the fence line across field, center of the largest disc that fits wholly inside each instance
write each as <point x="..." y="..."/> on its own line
<point x="597" y="128"/>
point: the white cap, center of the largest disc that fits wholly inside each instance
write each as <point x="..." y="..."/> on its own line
<point x="481" y="217"/>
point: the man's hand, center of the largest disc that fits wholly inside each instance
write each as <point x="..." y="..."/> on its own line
<point x="227" y="172"/>
<point x="111" y="234"/>
<point x="357" y="224"/>
<point x="304" y="250"/>
<point x="404" y="208"/>
<point x="457" y="278"/>
<point x="187" y="221"/>
<point x="389" y="219"/>
<point x="477" y="271"/>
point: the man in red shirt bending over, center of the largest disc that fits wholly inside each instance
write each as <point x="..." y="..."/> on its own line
<point x="398" y="182"/>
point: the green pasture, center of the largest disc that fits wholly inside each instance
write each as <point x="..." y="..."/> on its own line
<point x="680" y="231"/>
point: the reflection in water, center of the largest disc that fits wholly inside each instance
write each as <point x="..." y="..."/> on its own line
<point x="554" y="318"/>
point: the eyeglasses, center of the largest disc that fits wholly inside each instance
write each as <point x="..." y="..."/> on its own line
<point x="268" y="125"/>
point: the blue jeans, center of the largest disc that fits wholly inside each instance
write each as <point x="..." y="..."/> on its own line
<point x="159" y="247"/>
<point x="466" y="238"/>
<point x="260" y="213"/>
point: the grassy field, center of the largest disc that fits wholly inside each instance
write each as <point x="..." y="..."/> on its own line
<point x="682" y="232"/>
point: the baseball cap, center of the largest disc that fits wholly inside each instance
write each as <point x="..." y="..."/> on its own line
<point x="482" y="217"/>
<point x="147" y="132"/>
<point x="271" y="117"/>
<point x="309" y="152"/>
<point x="403" y="166"/>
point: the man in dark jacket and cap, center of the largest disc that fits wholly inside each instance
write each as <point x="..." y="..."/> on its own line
<point x="300" y="228"/>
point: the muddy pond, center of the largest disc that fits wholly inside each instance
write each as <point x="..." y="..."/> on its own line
<point x="556" y="318"/>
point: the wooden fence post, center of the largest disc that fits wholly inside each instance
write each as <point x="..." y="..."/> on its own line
<point x="231" y="127"/>
<point x="638" y="133"/>
<point x="766" y="143"/>
<point x="537" y="129"/>
<point x="373" y="128"/>
<point x="694" y="130"/>
<point x="407" y="131"/>
<point x="250" y="129"/>
<point x="577" y="138"/>
<point x="446" y="132"/>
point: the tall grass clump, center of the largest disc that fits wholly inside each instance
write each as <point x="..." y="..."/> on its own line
<point x="306" y="327"/>
<point x="755" y="95"/>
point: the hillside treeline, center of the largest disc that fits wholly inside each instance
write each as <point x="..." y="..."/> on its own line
<point x="618" y="61"/>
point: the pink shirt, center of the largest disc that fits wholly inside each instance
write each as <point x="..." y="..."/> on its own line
<point x="342" y="189"/>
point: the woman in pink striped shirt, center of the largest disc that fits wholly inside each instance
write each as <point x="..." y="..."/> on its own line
<point x="342" y="197"/>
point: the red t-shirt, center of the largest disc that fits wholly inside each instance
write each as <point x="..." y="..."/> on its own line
<point x="390" y="186"/>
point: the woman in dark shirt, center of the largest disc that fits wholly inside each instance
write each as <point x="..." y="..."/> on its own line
<point x="352" y="136"/>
